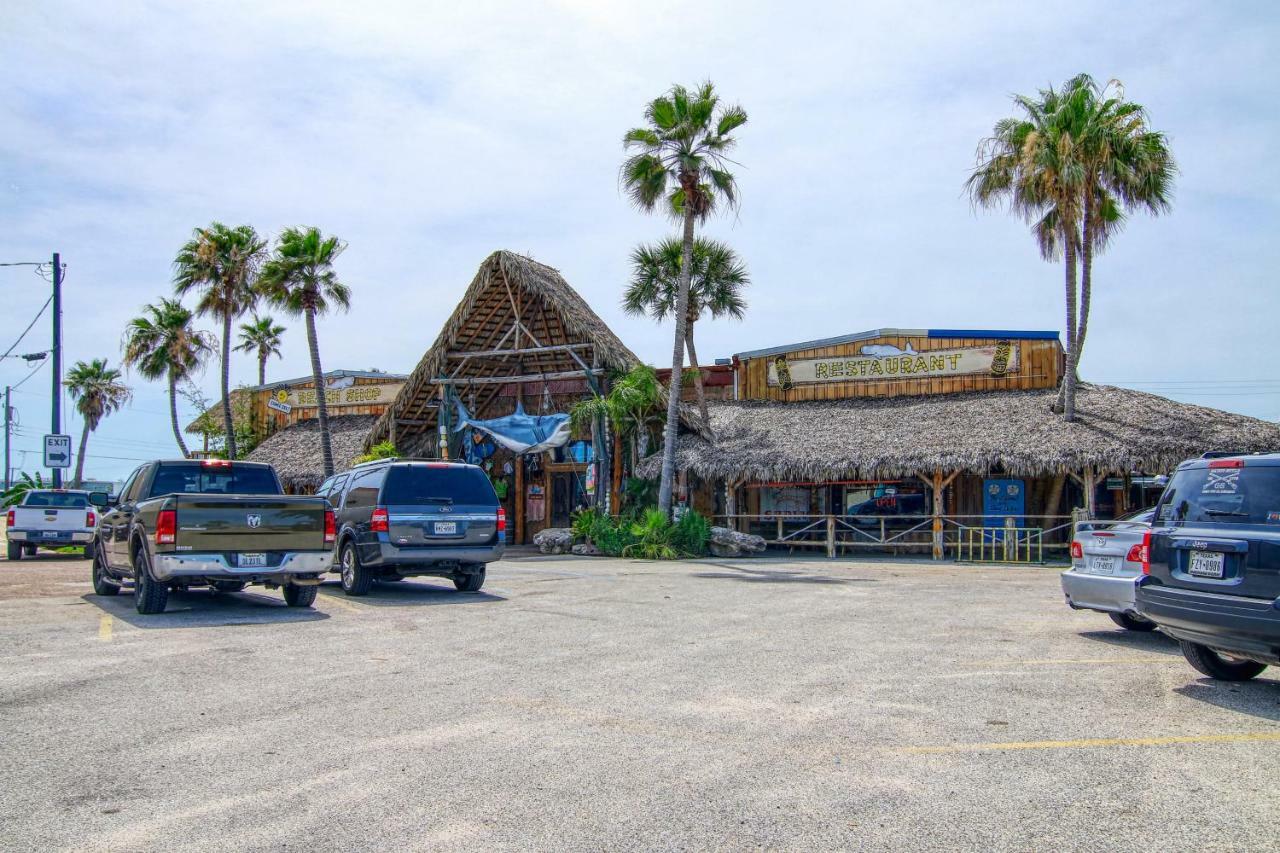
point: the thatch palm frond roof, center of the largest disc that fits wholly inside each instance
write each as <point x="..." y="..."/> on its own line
<point x="1118" y="429"/>
<point x="295" y="451"/>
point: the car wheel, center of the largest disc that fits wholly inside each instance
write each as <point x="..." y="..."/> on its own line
<point x="102" y="582"/>
<point x="1221" y="667"/>
<point x="227" y="586"/>
<point x="88" y="551"/>
<point x="30" y="550"/>
<point x="300" y="596"/>
<point x="356" y="579"/>
<point x="14" y="551"/>
<point x="149" y="595"/>
<point x="1132" y="623"/>
<point x="469" y="581"/>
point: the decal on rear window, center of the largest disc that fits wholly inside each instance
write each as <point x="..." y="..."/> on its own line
<point x="1223" y="482"/>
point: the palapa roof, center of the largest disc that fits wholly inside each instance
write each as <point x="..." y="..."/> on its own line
<point x="295" y="451"/>
<point x="1117" y="429"/>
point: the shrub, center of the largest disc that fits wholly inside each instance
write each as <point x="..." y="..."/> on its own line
<point x="646" y="535"/>
<point x="690" y="533"/>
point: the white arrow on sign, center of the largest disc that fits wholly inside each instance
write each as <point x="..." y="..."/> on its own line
<point x="57" y="451"/>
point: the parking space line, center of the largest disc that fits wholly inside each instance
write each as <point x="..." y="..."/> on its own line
<point x="343" y="604"/>
<point x="1086" y="743"/>
<point x="105" y="627"/>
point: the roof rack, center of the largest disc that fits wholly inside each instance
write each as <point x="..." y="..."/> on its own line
<point x="1222" y="454"/>
<point x="375" y="462"/>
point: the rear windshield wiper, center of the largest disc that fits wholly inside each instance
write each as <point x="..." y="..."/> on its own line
<point x="437" y="500"/>
<point x="1229" y="512"/>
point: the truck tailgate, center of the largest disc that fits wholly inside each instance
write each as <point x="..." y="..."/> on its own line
<point x="49" y="518"/>
<point x="209" y="523"/>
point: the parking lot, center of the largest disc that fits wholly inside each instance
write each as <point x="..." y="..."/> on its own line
<point x="615" y="704"/>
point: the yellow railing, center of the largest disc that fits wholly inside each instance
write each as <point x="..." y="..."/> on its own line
<point x="1001" y="545"/>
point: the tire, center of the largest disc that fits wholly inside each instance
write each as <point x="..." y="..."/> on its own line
<point x="1214" y="665"/>
<point x="356" y="579"/>
<point x="14" y="551"/>
<point x="1132" y="623"/>
<point x="470" y="581"/>
<point x="30" y="550"/>
<point x="149" y="595"/>
<point x="227" y="586"/>
<point x="88" y="551"/>
<point x="300" y="596"/>
<point x="102" y="582"/>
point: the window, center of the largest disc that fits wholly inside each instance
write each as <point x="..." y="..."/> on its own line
<point x="417" y="485"/>
<point x="1250" y="495"/>
<point x="198" y="478"/>
<point x="129" y="488"/>
<point x="334" y="493"/>
<point x="56" y="499"/>
<point x="364" y="489"/>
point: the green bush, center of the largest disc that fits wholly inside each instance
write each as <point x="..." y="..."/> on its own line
<point x="646" y="535"/>
<point x="689" y="535"/>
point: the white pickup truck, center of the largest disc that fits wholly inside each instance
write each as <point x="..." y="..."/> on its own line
<point x="52" y="518"/>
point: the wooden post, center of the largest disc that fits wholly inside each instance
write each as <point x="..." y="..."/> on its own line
<point x="442" y="423"/>
<point x="519" y="507"/>
<point x="939" y="484"/>
<point x="1090" y="487"/>
<point x="731" y="504"/>
<point x="615" y="507"/>
<point x="548" y="503"/>
<point x="831" y="537"/>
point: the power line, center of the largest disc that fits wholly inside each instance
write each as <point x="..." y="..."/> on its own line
<point x="39" y="314"/>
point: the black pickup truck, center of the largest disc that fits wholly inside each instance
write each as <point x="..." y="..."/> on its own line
<point x="1211" y="577"/>
<point x="211" y="523"/>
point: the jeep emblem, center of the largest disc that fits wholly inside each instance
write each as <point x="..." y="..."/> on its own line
<point x="253" y="520"/>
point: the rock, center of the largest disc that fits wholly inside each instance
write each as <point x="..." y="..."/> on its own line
<point x="724" y="542"/>
<point x="554" y="540"/>
<point x="586" y="549"/>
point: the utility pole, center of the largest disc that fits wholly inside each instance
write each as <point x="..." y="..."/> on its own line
<point x="8" y="421"/>
<point x="57" y="359"/>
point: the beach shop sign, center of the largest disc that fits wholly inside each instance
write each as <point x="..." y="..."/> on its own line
<point x="886" y="363"/>
<point x="351" y="395"/>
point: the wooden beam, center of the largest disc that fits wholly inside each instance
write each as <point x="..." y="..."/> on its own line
<point x="516" y="380"/>
<point x="523" y="351"/>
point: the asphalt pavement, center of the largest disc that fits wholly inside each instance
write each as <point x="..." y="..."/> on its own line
<point x="622" y="705"/>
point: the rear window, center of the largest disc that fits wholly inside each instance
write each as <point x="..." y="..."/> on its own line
<point x="1248" y="495"/>
<point x="55" y="499"/>
<point x="214" y="480"/>
<point x="416" y="485"/>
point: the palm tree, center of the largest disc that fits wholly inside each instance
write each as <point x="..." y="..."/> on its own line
<point x="262" y="336"/>
<point x="633" y="405"/>
<point x="220" y="264"/>
<point x="299" y="278"/>
<point x="1068" y="165"/>
<point x="164" y="344"/>
<point x="97" y="391"/>
<point x="680" y="164"/>
<point x="715" y="285"/>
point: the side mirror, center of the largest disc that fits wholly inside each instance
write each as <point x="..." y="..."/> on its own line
<point x="99" y="499"/>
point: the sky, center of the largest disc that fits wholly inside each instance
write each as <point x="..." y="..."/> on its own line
<point x="429" y="134"/>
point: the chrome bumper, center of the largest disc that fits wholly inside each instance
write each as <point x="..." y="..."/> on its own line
<point x="168" y="566"/>
<point x="1104" y="593"/>
<point x="76" y="538"/>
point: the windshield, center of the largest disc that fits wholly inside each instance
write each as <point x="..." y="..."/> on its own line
<point x="416" y="485"/>
<point x="56" y="499"/>
<point x="1248" y="495"/>
<point x="197" y="478"/>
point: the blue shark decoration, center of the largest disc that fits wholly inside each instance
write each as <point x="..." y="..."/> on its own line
<point x="519" y="432"/>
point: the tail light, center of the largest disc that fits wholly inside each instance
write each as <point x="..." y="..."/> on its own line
<point x="330" y="527"/>
<point x="1077" y="552"/>
<point x="1144" y="553"/>
<point x="166" y="527"/>
<point x="502" y="520"/>
<point x="378" y="521"/>
<point x="1227" y="463"/>
<point x="12" y="519"/>
<point x="90" y="519"/>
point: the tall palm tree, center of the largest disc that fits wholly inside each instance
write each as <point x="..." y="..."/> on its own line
<point x="715" y="286"/>
<point x="262" y="336"/>
<point x="220" y="263"/>
<point x="1070" y="164"/>
<point x="681" y="164"/>
<point x="97" y="391"/>
<point x="299" y="278"/>
<point x="163" y="343"/>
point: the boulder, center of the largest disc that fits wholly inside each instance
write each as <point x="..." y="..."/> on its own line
<point x="586" y="549"/>
<point x="554" y="540"/>
<point x="724" y="542"/>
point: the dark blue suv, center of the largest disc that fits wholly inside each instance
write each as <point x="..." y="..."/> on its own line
<point x="1212" y="569"/>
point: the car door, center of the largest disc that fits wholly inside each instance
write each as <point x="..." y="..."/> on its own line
<point x="357" y="508"/>
<point x="122" y="517"/>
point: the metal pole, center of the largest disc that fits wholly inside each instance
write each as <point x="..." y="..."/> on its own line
<point x="8" y="419"/>
<point x="57" y="358"/>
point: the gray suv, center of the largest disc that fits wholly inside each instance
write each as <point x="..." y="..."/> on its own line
<point x="401" y="518"/>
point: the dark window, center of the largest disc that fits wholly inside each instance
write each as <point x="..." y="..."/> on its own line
<point x="1249" y="495"/>
<point x="130" y="490"/>
<point x="364" y="489"/>
<point x="197" y="478"/>
<point x="56" y="499"/>
<point x="417" y="485"/>
<point x="334" y="492"/>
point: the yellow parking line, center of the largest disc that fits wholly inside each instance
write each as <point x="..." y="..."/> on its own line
<point x="1085" y="743"/>
<point x="343" y="603"/>
<point x="104" y="627"/>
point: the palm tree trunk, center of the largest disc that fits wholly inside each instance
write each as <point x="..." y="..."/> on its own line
<point x="262" y="367"/>
<point x="697" y="373"/>
<point x="317" y="376"/>
<point x="1086" y="290"/>
<point x="667" y="483"/>
<point x="84" y="441"/>
<point x="227" y="422"/>
<point x="173" y="415"/>
<point x="1069" y="380"/>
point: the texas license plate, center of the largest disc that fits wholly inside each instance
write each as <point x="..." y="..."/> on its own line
<point x="445" y="528"/>
<point x="50" y="534"/>
<point x="251" y="561"/>
<point x="1206" y="564"/>
<point x="1102" y="565"/>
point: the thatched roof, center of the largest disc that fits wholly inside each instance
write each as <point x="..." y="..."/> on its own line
<point x="295" y="451"/>
<point x="507" y="287"/>
<point x="1117" y="430"/>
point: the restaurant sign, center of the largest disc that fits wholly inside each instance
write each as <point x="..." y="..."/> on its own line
<point x="351" y="395"/>
<point x="885" y="363"/>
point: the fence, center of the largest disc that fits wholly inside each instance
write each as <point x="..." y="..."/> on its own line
<point x="957" y="536"/>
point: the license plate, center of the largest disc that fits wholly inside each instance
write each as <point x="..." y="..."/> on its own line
<point x="445" y="528"/>
<point x="251" y="561"/>
<point x="50" y="534"/>
<point x="1102" y="565"/>
<point x="1206" y="564"/>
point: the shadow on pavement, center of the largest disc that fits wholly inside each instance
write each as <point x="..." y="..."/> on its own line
<point x="1255" y="698"/>
<point x="198" y="608"/>
<point x="739" y="573"/>
<point x="410" y="592"/>
<point x="1151" y="641"/>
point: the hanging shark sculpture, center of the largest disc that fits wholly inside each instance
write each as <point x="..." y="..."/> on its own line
<point x="518" y="432"/>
